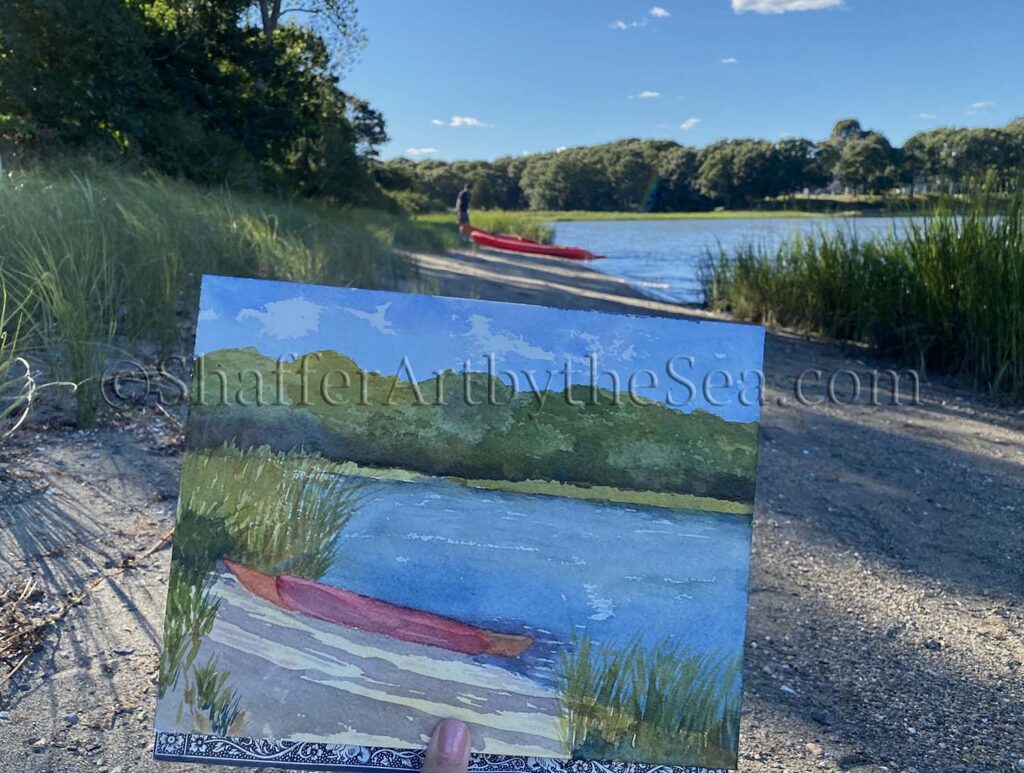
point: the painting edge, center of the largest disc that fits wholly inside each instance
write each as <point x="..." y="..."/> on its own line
<point x="264" y="752"/>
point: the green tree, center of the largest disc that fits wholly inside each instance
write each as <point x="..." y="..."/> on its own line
<point x="867" y="163"/>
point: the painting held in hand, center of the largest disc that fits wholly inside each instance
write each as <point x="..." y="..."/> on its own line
<point x="399" y="508"/>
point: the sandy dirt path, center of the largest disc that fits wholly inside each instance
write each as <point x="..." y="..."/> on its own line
<point x="887" y="593"/>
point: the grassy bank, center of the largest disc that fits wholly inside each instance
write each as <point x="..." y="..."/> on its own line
<point x="945" y="293"/>
<point x="566" y="490"/>
<point x="724" y="214"/>
<point x="525" y="224"/>
<point x="96" y="264"/>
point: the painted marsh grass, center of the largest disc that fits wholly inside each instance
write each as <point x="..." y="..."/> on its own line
<point x="284" y="512"/>
<point x="945" y="292"/>
<point x="97" y="264"/>
<point x="649" y="704"/>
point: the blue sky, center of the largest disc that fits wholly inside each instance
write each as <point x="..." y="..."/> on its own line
<point x="379" y="329"/>
<point x="479" y="80"/>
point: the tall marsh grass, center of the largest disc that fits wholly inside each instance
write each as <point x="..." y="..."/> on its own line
<point x="639" y="703"/>
<point x="944" y="292"/>
<point x="98" y="263"/>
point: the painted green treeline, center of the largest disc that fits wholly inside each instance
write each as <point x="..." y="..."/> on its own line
<point x="585" y="437"/>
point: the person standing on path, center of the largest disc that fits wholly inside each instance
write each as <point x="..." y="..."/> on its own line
<point x="462" y="206"/>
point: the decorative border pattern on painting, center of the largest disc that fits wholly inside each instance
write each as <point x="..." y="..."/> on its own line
<point x="187" y="747"/>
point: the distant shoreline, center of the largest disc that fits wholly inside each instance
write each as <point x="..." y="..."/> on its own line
<point x="569" y="490"/>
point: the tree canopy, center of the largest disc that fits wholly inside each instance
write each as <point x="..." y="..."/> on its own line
<point x="244" y="92"/>
<point x="661" y="175"/>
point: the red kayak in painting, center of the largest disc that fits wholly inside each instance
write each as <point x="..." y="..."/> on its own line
<point x="515" y="243"/>
<point x="343" y="607"/>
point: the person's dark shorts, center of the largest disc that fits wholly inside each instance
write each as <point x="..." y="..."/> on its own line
<point x="463" y="217"/>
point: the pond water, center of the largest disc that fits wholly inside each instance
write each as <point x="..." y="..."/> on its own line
<point x="661" y="257"/>
<point x="543" y="566"/>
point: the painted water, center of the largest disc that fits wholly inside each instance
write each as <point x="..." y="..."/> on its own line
<point x="543" y="566"/>
<point x="661" y="258"/>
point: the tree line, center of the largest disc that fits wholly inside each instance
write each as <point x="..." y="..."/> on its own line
<point x="663" y="176"/>
<point x="238" y="92"/>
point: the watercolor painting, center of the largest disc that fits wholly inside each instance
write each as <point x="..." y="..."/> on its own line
<point x="398" y="508"/>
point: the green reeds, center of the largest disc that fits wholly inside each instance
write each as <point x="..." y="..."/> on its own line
<point x="104" y="263"/>
<point x="945" y="292"/>
<point x="642" y="703"/>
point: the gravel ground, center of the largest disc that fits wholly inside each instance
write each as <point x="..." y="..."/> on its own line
<point x="886" y="624"/>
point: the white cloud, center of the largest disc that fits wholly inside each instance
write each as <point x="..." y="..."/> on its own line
<point x="377" y="319"/>
<point x="927" y="116"/>
<point x="420" y="151"/>
<point x="208" y="315"/>
<point x="468" y="120"/>
<point x="978" y="107"/>
<point x="437" y="122"/>
<point x="729" y="60"/>
<point x="648" y="95"/>
<point x="560" y="148"/>
<point x="657" y="12"/>
<point x="618" y="24"/>
<point x="782" y="6"/>
<point x="689" y="123"/>
<point x="501" y="343"/>
<point x="293" y="318"/>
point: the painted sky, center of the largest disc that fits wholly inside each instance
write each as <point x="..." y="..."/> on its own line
<point x="379" y="329"/>
<point x="479" y="80"/>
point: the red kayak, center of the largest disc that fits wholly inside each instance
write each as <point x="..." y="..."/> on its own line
<point x="342" y="607"/>
<point x="515" y="243"/>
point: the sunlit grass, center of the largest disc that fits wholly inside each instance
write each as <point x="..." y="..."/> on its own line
<point x="945" y="292"/>
<point x="526" y="224"/>
<point x="643" y="703"/>
<point x="97" y="264"/>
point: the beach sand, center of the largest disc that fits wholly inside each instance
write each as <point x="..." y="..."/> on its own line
<point x="489" y="275"/>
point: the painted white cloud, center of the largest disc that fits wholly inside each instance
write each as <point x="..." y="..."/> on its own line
<point x="689" y="123"/>
<point x="468" y="120"/>
<point x="437" y="122"/>
<point x="377" y="319"/>
<point x="659" y="13"/>
<point x="208" y="315"/>
<point x="420" y="151"/>
<point x="491" y="342"/>
<point x="293" y="318"/>
<point x="729" y="60"/>
<point x="618" y="348"/>
<point x="782" y="6"/>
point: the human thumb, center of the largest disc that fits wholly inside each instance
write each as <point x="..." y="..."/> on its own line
<point x="448" y="750"/>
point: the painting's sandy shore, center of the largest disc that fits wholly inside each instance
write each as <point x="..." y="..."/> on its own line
<point x="303" y="679"/>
